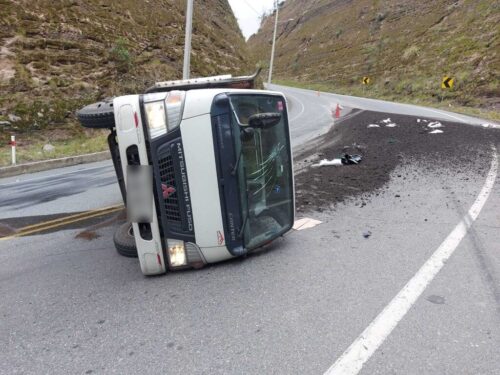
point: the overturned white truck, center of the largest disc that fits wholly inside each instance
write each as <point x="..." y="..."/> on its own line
<point x="205" y="170"/>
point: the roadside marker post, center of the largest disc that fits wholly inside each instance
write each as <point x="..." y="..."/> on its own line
<point x="12" y="143"/>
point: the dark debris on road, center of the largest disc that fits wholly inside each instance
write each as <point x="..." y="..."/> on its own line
<point x="383" y="148"/>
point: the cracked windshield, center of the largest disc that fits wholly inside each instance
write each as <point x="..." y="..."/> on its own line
<point x="264" y="172"/>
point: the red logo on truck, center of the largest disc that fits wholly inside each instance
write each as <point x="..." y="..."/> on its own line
<point x="220" y="237"/>
<point x="167" y="191"/>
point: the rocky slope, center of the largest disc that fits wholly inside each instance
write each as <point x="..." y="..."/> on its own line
<point x="56" y="56"/>
<point x="404" y="46"/>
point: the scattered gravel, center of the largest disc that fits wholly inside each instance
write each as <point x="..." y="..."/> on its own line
<point x="460" y="147"/>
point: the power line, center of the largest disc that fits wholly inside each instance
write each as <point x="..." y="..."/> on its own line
<point x="251" y="7"/>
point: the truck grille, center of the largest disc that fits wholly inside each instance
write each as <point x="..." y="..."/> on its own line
<point x="172" y="189"/>
<point x="167" y="177"/>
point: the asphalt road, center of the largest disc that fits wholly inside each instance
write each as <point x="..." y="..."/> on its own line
<point x="330" y="100"/>
<point x="72" y="305"/>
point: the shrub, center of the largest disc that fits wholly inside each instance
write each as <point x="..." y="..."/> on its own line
<point x="121" y="55"/>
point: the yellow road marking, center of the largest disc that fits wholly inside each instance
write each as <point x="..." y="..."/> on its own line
<point x="81" y="214"/>
<point x="40" y="227"/>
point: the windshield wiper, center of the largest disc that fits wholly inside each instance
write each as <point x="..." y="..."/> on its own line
<point x="246" y="134"/>
<point x="245" y="220"/>
<point x="233" y="171"/>
<point x="242" y="229"/>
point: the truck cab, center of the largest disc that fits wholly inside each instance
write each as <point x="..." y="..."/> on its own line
<point x="207" y="170"/>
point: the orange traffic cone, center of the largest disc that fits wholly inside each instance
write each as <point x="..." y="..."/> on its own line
<point x="337" y="111"/>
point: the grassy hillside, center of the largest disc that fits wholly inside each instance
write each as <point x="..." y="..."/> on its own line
<point x="405" y="47"/>
<point x="56" y="56"/>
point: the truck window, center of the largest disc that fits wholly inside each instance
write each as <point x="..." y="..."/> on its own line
<point x="265" y="170"/>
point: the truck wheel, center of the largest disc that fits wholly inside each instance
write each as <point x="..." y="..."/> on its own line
<point x="124" y="241"/>
<point x="98" y="115"/>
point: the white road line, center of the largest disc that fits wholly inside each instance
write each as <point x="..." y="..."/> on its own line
<point x="360" y="351"/>
<point x="462" y="120"/>
<point x="302" y="110"/>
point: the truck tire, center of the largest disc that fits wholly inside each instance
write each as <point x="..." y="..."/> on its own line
<point x="98" y="115"/>
<point x="124" y="241"/>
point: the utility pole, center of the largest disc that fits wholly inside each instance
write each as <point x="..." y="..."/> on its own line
<point x="187" y="43"/>
<point x="274" y="43"/>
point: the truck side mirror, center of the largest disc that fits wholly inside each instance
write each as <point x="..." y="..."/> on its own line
<point x="264" y="120"/>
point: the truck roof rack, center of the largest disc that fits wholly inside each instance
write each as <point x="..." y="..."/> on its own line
<point x="224" y="81"/>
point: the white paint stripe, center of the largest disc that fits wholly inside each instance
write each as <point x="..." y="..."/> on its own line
<point x="360" y="351"/>
<point x="302" y="110"/>
<point x="444" y="113"/>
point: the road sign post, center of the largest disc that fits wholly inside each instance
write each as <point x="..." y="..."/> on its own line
<point x="366" y="80"/>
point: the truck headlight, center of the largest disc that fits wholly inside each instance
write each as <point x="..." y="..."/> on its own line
<point x="165" y="114"/>
<point x="176" y="253"/>
<point x="175" y="106"/>
<point x="155" y="114"/>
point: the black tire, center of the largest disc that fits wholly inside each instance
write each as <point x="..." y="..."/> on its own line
<point x="124" y="241"/>
<point x="98" y="115"/>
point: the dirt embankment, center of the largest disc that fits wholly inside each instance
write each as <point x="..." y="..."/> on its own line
<point x="56" y="56"/>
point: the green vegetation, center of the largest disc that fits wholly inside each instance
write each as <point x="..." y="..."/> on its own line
<point x="121" y="55"/>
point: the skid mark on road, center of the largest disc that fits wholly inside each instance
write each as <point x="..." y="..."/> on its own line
<point x="360" y="351"/>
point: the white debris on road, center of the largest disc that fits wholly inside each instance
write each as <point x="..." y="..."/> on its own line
<point x="305" y="223"/>
<point x="373" y="126"/>
<point x="435" y="124"/>
<point x="326" y="162"/>
<point x="437" y="131"/>
<point x="388" y="123"/>
<point x="494" y="126"/>
<point x="420" y="120"/>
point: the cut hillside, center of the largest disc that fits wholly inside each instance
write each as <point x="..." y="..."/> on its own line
<point x="56" y="56"/>
<point x="405" y="47"/>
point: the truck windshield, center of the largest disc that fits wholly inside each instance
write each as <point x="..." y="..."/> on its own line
<point x="264" y="170"/>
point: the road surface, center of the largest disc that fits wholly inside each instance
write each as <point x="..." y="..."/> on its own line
<point x="73" y="305"/>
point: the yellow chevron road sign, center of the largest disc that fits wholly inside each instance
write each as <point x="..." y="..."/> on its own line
<point x="447" y="82"/>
